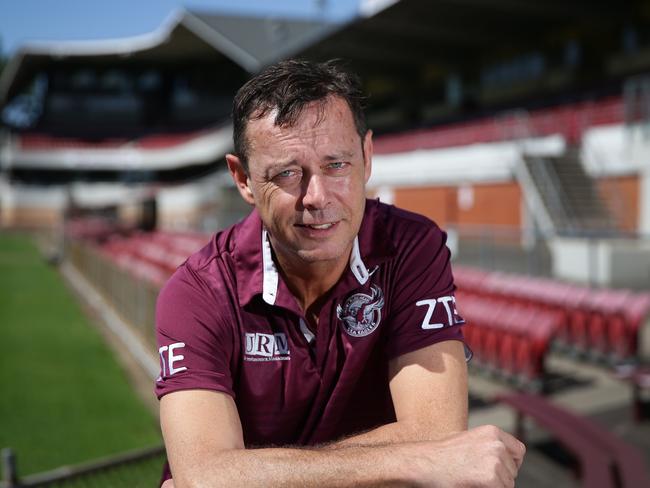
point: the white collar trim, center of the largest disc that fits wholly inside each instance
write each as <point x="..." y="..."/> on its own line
<point x="308" y="334"/>
<point x="270" y="282"/>
<point x="357" y="266"/>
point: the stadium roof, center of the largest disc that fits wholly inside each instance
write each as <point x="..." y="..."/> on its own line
<point x="248" y="42"/>
<point x="406" y="52"/>
<point x="410" y="34"/>
<point x="403" y="50"/>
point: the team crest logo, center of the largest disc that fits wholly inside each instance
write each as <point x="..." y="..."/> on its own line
<point x="361" y="313"/>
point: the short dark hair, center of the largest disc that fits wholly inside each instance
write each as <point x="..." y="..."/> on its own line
<point x="288" y="86"/>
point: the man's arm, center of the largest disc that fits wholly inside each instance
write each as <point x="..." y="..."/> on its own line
<point x="213" y="456"/>
<point x="429" y="392"/>
<point x="204" y="444"/>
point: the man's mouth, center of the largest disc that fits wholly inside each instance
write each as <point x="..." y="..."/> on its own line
<point x="317" y="226"/>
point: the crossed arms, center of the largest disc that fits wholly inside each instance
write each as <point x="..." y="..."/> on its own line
<point x="426" y="446"/>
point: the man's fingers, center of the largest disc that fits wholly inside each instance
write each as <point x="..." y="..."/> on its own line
<point x="506" y="477"/>
<point x="515" y="447"/>
<point x="510" y="463"/>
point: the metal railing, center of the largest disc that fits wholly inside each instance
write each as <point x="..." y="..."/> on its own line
<point x="133" y="469"/>
<point x="503" y="248"/>
<point x="134" y="299"/>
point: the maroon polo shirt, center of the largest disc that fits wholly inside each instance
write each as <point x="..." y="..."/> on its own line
<point x="227" y="322"/>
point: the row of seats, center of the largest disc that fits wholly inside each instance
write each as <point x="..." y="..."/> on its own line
<point x="508" y="337"/>
<point x="152" y="256"/>
<point x="46" y="142"/>
<point x="95" y="229"/>
<point x="149" y="256"/>
<point x="140" y="269"/>
<point x="141" y="247"/>
<point x="512" y="319"/>
<point x="600" y="322"/>
<point x="570" y="120"/>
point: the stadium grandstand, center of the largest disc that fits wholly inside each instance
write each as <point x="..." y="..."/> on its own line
<point x="521" y="127"/>
<point x="111" y="124"/>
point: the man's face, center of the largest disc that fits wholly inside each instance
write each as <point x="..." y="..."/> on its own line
<point x="308" y="181"/>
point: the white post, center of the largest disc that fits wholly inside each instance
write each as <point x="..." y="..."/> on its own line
<point x="644" y="189"/>
<point x="9" y="471"/>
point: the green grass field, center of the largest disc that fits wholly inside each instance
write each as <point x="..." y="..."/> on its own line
<point x="63" y="397"/>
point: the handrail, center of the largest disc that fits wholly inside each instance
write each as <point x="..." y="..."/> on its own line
<point x="553" y="182"/>
<point x="67" y="473"/>
<point x="607" y="461"/>
<point x="534" y="199"/>
<point x="516" y="126"/>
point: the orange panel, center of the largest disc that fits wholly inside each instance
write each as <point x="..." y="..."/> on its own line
<point x="438" y="203"/>
<point x="621" y="195"/>
<point x="491" y="204"/>
<point x="486" y="204"/>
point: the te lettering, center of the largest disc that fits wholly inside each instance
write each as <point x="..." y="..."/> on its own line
<point x="168" y="360"/>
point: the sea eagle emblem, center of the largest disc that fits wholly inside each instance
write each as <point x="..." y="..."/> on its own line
<point x="361" y="313"/>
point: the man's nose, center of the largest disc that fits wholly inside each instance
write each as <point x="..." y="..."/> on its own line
<point x="315" y="192"/>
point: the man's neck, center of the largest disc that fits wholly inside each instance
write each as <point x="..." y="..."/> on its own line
<point x="310" y="281"/>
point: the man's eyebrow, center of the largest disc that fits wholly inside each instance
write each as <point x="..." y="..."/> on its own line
<point x="279" y="166"/>
<point x="339" y="156"/>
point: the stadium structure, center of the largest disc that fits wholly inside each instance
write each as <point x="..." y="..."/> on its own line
<point x="521" y="123"/>
<point x="521" y="127"/>
<point x="112" y="124"/>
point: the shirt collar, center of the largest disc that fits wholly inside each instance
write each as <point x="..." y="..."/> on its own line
<point x="270" y="272"/>
<point x="257" y="273"/>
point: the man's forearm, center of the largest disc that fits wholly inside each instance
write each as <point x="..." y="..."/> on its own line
<point x="484" y="456"/>
<point x="332" y="467"/>
<point x="344" y="461"/>
<point x="395" y="432"/>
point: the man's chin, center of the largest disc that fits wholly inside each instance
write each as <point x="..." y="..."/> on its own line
<point x="319" y="255"/>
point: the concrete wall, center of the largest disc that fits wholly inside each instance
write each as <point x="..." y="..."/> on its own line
<point x="617" y="263"/>
<point x="30" y="207"/>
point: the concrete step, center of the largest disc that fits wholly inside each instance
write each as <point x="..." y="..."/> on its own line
<point x="570" y="195"/>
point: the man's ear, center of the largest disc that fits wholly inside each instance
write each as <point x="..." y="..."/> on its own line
<point x="240" y="178"/>
<point x="367" y="154"/>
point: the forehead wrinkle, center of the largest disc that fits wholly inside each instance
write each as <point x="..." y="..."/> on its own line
<point x="309" y="130"/>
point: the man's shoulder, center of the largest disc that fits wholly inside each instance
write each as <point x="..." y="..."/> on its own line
<point x="211" y="269"/>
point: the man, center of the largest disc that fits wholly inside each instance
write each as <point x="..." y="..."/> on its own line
<point x="322" y="322"/>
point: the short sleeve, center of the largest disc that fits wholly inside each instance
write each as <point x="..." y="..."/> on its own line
<point x="423" y="309"/>
<point x="195" y="340"/>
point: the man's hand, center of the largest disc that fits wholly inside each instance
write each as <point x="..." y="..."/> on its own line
<point x="484" y="456"/>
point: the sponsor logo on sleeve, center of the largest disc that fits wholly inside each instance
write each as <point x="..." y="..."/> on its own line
<point x="266" y="347"/>
<point x="441" y="312"/>
<point x="361" y="313"/>
<point x="169" y="360"/>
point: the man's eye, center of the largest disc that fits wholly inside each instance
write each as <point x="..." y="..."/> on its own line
<point x="286" y="173"/>
<point x="337" y="165"/>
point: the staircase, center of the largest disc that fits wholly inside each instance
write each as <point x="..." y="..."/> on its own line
<point x="569" y="195"/>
